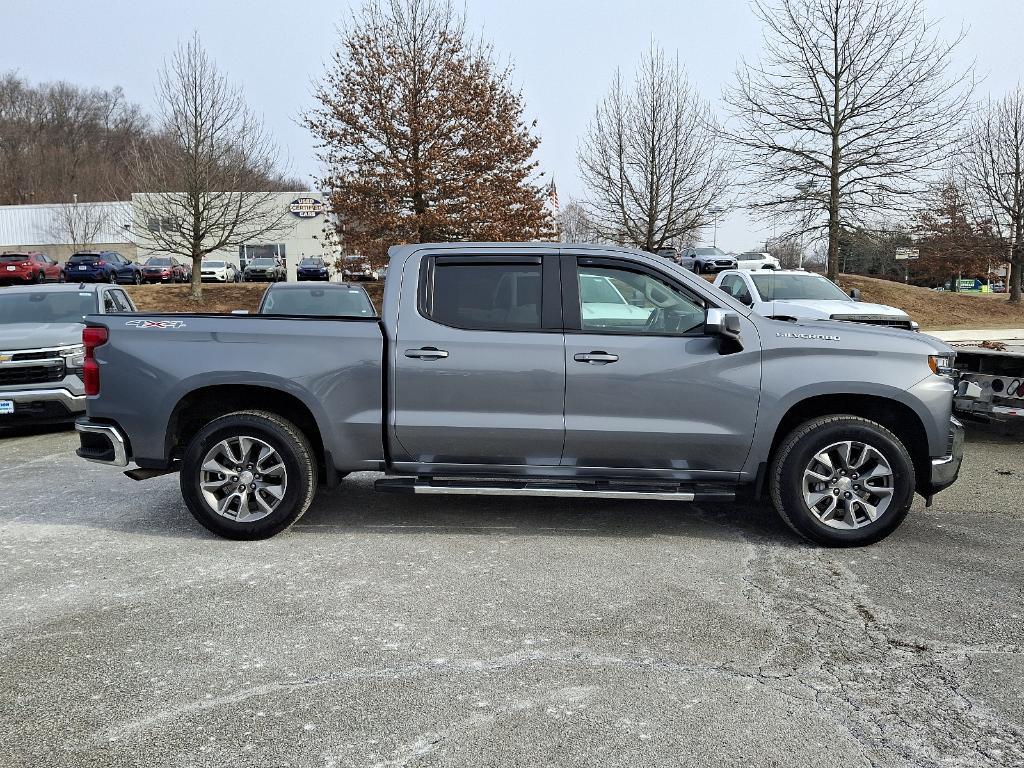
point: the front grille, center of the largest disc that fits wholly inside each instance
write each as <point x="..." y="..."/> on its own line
<point x="882" y="320"/>
<point x="44" y="354"/>
<point x="31" y="374"/>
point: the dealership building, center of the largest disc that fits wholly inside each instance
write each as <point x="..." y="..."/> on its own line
<point x="122" y="227"/>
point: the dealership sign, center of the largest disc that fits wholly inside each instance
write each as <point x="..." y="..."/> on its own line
<point x="307" y="207"/>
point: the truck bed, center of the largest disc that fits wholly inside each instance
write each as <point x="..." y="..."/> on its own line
<point x="333" y="367"/>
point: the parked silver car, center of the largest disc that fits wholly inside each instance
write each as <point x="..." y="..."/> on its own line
<point x="707" y="259"/>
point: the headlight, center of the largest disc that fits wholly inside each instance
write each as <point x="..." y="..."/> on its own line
<point x="941" y="365"/>
<point x="74" y="356"/>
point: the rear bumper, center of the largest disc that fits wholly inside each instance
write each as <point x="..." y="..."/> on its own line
<point x="946" y="469"/>
<point x="17" y="277"/>
<point x="102" y="443"/>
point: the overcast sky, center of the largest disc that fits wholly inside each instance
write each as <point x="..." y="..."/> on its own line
<point x="564" y="52"/>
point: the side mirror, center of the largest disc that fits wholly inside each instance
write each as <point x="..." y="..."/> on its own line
<point x="725" y="325"/>
<point x="855" y="294"/>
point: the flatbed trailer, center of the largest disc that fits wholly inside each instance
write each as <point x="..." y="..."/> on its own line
<point x="994" y="362"/>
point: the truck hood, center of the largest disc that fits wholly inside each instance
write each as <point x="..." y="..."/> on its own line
<point x="853" y="336"/>
<point x="39" y="335"/>
<point x="813" y="309"/>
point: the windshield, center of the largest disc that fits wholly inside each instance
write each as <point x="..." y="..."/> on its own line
<point x="350" y="302"/>
<point x="261" y="263"/>
<point x="213" y="264"/>
<point x="46" y="306"/>
<point x="310" y="263"/>
<point x="158" y="261"/>
<point x="595" y="289"/>
<point x="774" y="287"/>
<point x="14" y="257"/>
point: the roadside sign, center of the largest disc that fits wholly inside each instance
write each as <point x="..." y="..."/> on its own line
<point x="907" y="254"/>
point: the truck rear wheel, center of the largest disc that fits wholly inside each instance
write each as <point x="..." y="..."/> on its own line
<point x="842" y="481"/>
<point x="248" y="475"/>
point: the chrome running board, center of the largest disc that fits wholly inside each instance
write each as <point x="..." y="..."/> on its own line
<point x="563" y="489"/>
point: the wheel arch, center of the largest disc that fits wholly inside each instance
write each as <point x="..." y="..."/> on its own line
<point x="200" y="406"/>
<point x="899" y="418"/>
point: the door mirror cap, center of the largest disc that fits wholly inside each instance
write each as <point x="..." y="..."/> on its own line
<point x="721" y="323"/>
<point x="855" y="294"/>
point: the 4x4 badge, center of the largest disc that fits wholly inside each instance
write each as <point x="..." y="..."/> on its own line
<point x="156" y="323"/>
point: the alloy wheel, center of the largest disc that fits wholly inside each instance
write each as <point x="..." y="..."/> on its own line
<point x="848" y="485"/>
<point x="243" y="479"/>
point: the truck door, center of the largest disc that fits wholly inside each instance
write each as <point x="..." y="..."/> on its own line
<point x="645" y="389"/>
<point x="479" y="365"/>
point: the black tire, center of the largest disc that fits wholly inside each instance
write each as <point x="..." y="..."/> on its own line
<point x="112" y="277"/>
<point x="40" y="277"/>
<point x="138" y="278"/>
<point x="296" y="454"/>
<point x="61" y="277"/>
<point x="796" y="453"/>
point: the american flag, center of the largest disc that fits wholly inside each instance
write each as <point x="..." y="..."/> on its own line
<point x="553" y="197"/>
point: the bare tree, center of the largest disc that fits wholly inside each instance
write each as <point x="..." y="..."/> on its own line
<point x="79" y="224"/>
<point x="205" y="178"/>
<point x="652" y="160"/>
<point x="574" y="224"/>
<point x="58" y="136"/>
<point x="993" y="164"/>
<point x="788" y="250"/>
<point x="847" y="114"/>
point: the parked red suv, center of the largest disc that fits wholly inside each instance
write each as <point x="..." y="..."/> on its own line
<point x="31" y="267"/>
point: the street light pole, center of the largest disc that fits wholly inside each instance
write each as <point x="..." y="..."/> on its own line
<point x="715" y="211"/>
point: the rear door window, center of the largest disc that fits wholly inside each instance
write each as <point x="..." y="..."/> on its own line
<point x="485" y="295"/>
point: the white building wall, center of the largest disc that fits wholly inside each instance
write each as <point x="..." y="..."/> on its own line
<point x="304" y="236"/>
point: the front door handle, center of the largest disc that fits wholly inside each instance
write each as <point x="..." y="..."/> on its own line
<point x="595" y="358"/>
<point x="426" y="353"/>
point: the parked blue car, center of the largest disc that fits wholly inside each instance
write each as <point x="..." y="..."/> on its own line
<point x="102" y="267"/>
<point x="313" y="269"/>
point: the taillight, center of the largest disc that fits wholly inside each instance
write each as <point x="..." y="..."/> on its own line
<point x="101" y="263"/>
<point x="92" y="337"/>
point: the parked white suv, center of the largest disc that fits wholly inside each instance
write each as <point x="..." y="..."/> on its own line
<point x="800" y="295"/>
<point x="757" y="260"/>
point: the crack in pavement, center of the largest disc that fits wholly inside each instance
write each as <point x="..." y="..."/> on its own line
<point x="899" y="696"/>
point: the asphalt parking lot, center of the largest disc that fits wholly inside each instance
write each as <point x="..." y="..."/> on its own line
<point x="394" y="631"/>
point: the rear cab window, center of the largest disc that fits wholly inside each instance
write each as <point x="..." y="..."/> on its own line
<point x="484" y="293"/>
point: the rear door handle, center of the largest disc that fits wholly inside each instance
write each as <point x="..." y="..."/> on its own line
<point x="595" y="358"/>
<point x="426" y="353"/>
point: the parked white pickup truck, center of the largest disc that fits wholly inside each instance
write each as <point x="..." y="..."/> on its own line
<point x="800" y="295"/>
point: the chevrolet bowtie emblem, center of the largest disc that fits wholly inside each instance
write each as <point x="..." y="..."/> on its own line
<point x="6" y="358"/>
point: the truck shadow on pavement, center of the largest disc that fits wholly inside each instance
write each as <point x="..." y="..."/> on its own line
<point x="355" y="507"/>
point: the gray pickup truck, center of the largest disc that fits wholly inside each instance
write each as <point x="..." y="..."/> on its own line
<point x="529" y="369"/>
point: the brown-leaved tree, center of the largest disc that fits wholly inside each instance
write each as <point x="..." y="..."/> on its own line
<point x="422" y="135"/>
<point x="952" y="243"/>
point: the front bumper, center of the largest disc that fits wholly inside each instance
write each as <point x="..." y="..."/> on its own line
<point x="42" y="404"/>
<point x="946" y="469"/>
<point x="102" y="443"/>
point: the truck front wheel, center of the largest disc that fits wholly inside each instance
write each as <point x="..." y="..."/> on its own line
<point x="248" y="475"/>
<point x="842" y="481"/>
